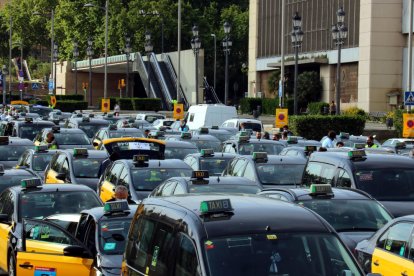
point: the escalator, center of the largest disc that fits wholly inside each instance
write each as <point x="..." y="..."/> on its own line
<point x="210" y="93"/>
<point x="168" y="81"/>
<point x="170" y="72"/>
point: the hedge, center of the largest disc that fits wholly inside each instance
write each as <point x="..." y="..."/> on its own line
<point x="70" y="106"/>
<point x="398" y="120"/>
<point x="317" y="126"/>
<point x="125" y="104"/>
<point x="40" y="102"/>
<point x="146" y="104"/>
<point x="247" y="105"/>
<point x="317" y="108"/>
<point x="78" y="97"/>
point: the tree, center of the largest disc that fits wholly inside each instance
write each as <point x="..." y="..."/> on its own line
<point x="309" y="88"/>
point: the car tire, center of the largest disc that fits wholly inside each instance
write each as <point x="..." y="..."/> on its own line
<point x="12" y="264"/>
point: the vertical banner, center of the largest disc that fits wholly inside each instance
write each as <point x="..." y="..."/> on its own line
<point x="106" y="105"/>
<point x="281" y="119"/>
<point x="408" y="125"/>
<point x="178" y="111"/>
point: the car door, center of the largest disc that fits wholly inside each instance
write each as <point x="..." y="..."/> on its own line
<point x="7" y="209"/>
<point x="390" y="253"/>
<point x="55" y="167"/>
<point x="74" y="259"/>
<point x="109" y="183"/>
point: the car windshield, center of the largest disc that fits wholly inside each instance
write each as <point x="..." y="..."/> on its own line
<point x="152" y="118"/>
<point x="222" y="136"/>
<point x="280" y="174"/>
<point x="350" y="215"/>
<point x="41" y="205"/>
<point x="147" y="179"/>
<point x="293" y="254"/>
<point x="270" y="148"/>
<point x="7" y="180"/>
<point x="91" y="129"/>
<point x="206" y="144"/>
<point x="30" y="131"/>
<point x="72" y="139"/>
<point x="113" y="234"/>
<point x="395" y="184"/>
<point x="43" y="112"/>
<point x="252" y="126"/>
<point x="12" y="153"/>
<point x="223" y="188"/>
<point x="214" y="166"/>
<point x="40" y="161"/>
<point x="125" y="134"/>
<point x="178" y="153"/>
<point x="86" y="167"/>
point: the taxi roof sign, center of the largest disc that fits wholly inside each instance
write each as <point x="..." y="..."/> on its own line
<point x="320" y="189"/>
<point x="203" y="130"/>
<point x="200" y="175"/>
<point x="140" y="158"/>
<point x="310" y="148"/>
<point x="80" y="152"/>
<point x="41" y="148"/>
<point x="207" y="152"/>
<point x="292" y="140"/>
<point x="344" y="135"/>
<point x="186" y="135"/>
<point x="260" y="157"/>
<point x="30" y="183"/>
<point x="215" y="127"/>
<point x="116" y="206"/>
<point x="4" y="140"/>
<point x="79" y="115"/>
<point x="359" y="145"/>
<point x="215" y="206"/>
<point x="357" y="154"/>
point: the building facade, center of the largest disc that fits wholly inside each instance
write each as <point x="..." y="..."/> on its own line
<point x="373" y="63"/>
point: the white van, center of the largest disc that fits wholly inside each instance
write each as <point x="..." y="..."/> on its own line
<point x="252" y="124"/>
<point x="207" y="115"/>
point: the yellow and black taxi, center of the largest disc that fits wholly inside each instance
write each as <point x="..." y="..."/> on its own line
<point x="88" y="124"/>
<point x="11" y="148"/>
<point x="31" y="200"/>
<point x="201" y="235"/>
<point x="36" y="160"/>
<point x="268" y="170"/>
<point x="389" y="178"/>
<point x="390" y="250"/>
<point x="204" y="141"/>
<point x="354" y="214"/>
<point x="208" y="160"/>
<point x="202" y="182"/>
<point x="178" y="149"/>
<point x="304" y="152"/>
<point x="29" y="128"/>
<point x="242" y="144"/>
<point x="113" y="131"/>
<point x="76" y="166"/>
<point x="66" y="138"/>
<point x="13" y="177"/>
<point x="221" y="134"/>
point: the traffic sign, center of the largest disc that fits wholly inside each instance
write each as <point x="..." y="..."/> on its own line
<point x="408" y="125"/>
<point x="35" y="86"/>
<point x="21" y="86"/>
<point x="51" y="86"/>
<point x="280" y="89"/>
<point x="178" y="111"/>
<point x="281" y="117"/>
<point x="106" y="105"/>
<point x="409" y="98"/>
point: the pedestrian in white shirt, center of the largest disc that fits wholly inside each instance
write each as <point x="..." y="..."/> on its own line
<point x="330" y="141"/>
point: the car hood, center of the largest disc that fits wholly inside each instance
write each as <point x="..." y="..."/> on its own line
<point x="111" y="264"/>
<point x="351" y="239"/>
<point x="399" y="208"/>
<point x="8" y="164"/>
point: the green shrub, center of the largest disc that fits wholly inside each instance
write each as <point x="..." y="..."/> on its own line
<point x="70" y="106"/>
<point x="269" y="106"/>
<point x="398" y="121"/>
<point x="78" y="97"/>
<point x="146" y="104"/>
<point x="247" y="105"/>
<point x="352" y="111"/>
<point x="316" y="108"/>
<point x="125" y="104"/>
<point x="317" y="126"/>
<point x="40" y="102"/>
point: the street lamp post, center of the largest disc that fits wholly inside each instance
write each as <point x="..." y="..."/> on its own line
<point x="75" y="57"/>
<point x="148" y="49"/>
<point x="106" y="9"/>
<point x="157" y="14"/>
<point x="127" y="51"/>
<point x="339" y="35"/>
<point x="10" y="55"/>
<point x="227" y="43"/>
<point x="215" y="60"/>
<point x="196" y="45"/>
<point x="297" y="38"/>
<point x="4" y="73"/>
<point x="89" y="53"/>
<point x="55" y="59"/>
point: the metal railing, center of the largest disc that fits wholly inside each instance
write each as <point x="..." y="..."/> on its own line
<point x="164" y="88"/>
<point x="167" y="60"/>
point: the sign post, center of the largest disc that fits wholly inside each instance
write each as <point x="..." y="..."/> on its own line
<point x="178" y="111"/>
<point x="282" y="117"/>
<point x="106" y="105"/>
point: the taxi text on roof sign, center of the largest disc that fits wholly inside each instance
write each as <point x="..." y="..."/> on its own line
<point x="359" y="145"/>
<point x="215" y="206"/>
<point x="260" y="156"/>
<point x="207" y="152"/>
<point x="355" y="154"/>
<point x="30" y="183"/>
<point x="116" y="206"/>
<point x="320" y="189"/>
<point x="200" y="174"/>
<point x="140" y="158"/>
<point x="80" y="152"/>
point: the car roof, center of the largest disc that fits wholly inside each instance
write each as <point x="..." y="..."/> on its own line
<point x="91" y="120"/>
<point x="255" y="213"/>
<point x="91" y="153"/>
<point x="281" y="159"/>
<point x="49" y="151"/>
<point x="304" y="193"/>
<point x="9" y="172"/>
<point x="18" y="141"/>
<point x="221" y="180"/>
<point x="53" y="188"/>
<point x="179" y="144"/>
<point x="66" y="130"/>
<point x="162" y="164"/>
<point x="98" y="212"/>
<point x="35" y="122"/>
<point x="216" y="155"/>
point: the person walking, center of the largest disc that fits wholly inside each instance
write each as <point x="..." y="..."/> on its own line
<point x="329" y="142"/>
<point x="332" y="108"/>
<point x="117" y="109"/>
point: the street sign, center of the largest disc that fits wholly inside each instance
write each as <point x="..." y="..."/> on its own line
<point x="35" y="86"/>
<point x="409" y="98"/>
<point x="21" y="86"/>
<point x="280" y="89"/>
<point x="178" y="111"/>
<point x="51" y="85"/>
<point x="408" y="125"/>
<point x="106" y="105"/>
<point x="282" y="117"/>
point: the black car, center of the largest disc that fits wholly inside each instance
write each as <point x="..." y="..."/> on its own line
<point x="36" y="160"/>
<point x="204" y="141"/>
<point x="208" y="160"/>
<point x="232" y="235"/>
<point x="11" y="148"/>
<point x="113" y="131"/>
<point x="179" y="149"/>
<point x="89" y="125"/>
<point x="29" y="128"/>
<point x="298" y="151"/>
<point x="389" y="178"/>
<point x="13" y="177"/>
<point x="221" y="134"/>
<point x="66" y="138"/>
<point x="354" y="214"/>
<point x="242" y="144"/>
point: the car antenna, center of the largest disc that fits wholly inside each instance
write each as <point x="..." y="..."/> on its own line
<point x="159" y="163"/>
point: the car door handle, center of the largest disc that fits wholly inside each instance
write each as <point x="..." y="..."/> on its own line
<point x="404" y="273"/>
<point x="26" y="266"/>
<point x="376" y="263"/>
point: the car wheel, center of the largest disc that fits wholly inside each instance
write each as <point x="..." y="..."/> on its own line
<point x="12" y="264"/>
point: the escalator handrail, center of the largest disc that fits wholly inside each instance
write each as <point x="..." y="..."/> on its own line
<point x="161" y="81"/>
<point x="141" y="66"/>
<point x="212" y="91"/>
<point x="167" y="60"/>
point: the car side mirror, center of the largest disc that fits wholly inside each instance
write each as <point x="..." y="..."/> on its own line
<point x="4" y="218"/>
<point x="95" y="144"/>
<point x="61" y="176"/>
<point x="75" y="251"/>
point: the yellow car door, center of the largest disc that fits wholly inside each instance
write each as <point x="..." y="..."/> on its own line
<point x="4" y="238"/>
<point x="49" y="249"/>
<point x="385" y="263"/>
<point x="52" y="175"/>
<point x="107" y="191"/>
<point x="107" y="188"/>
